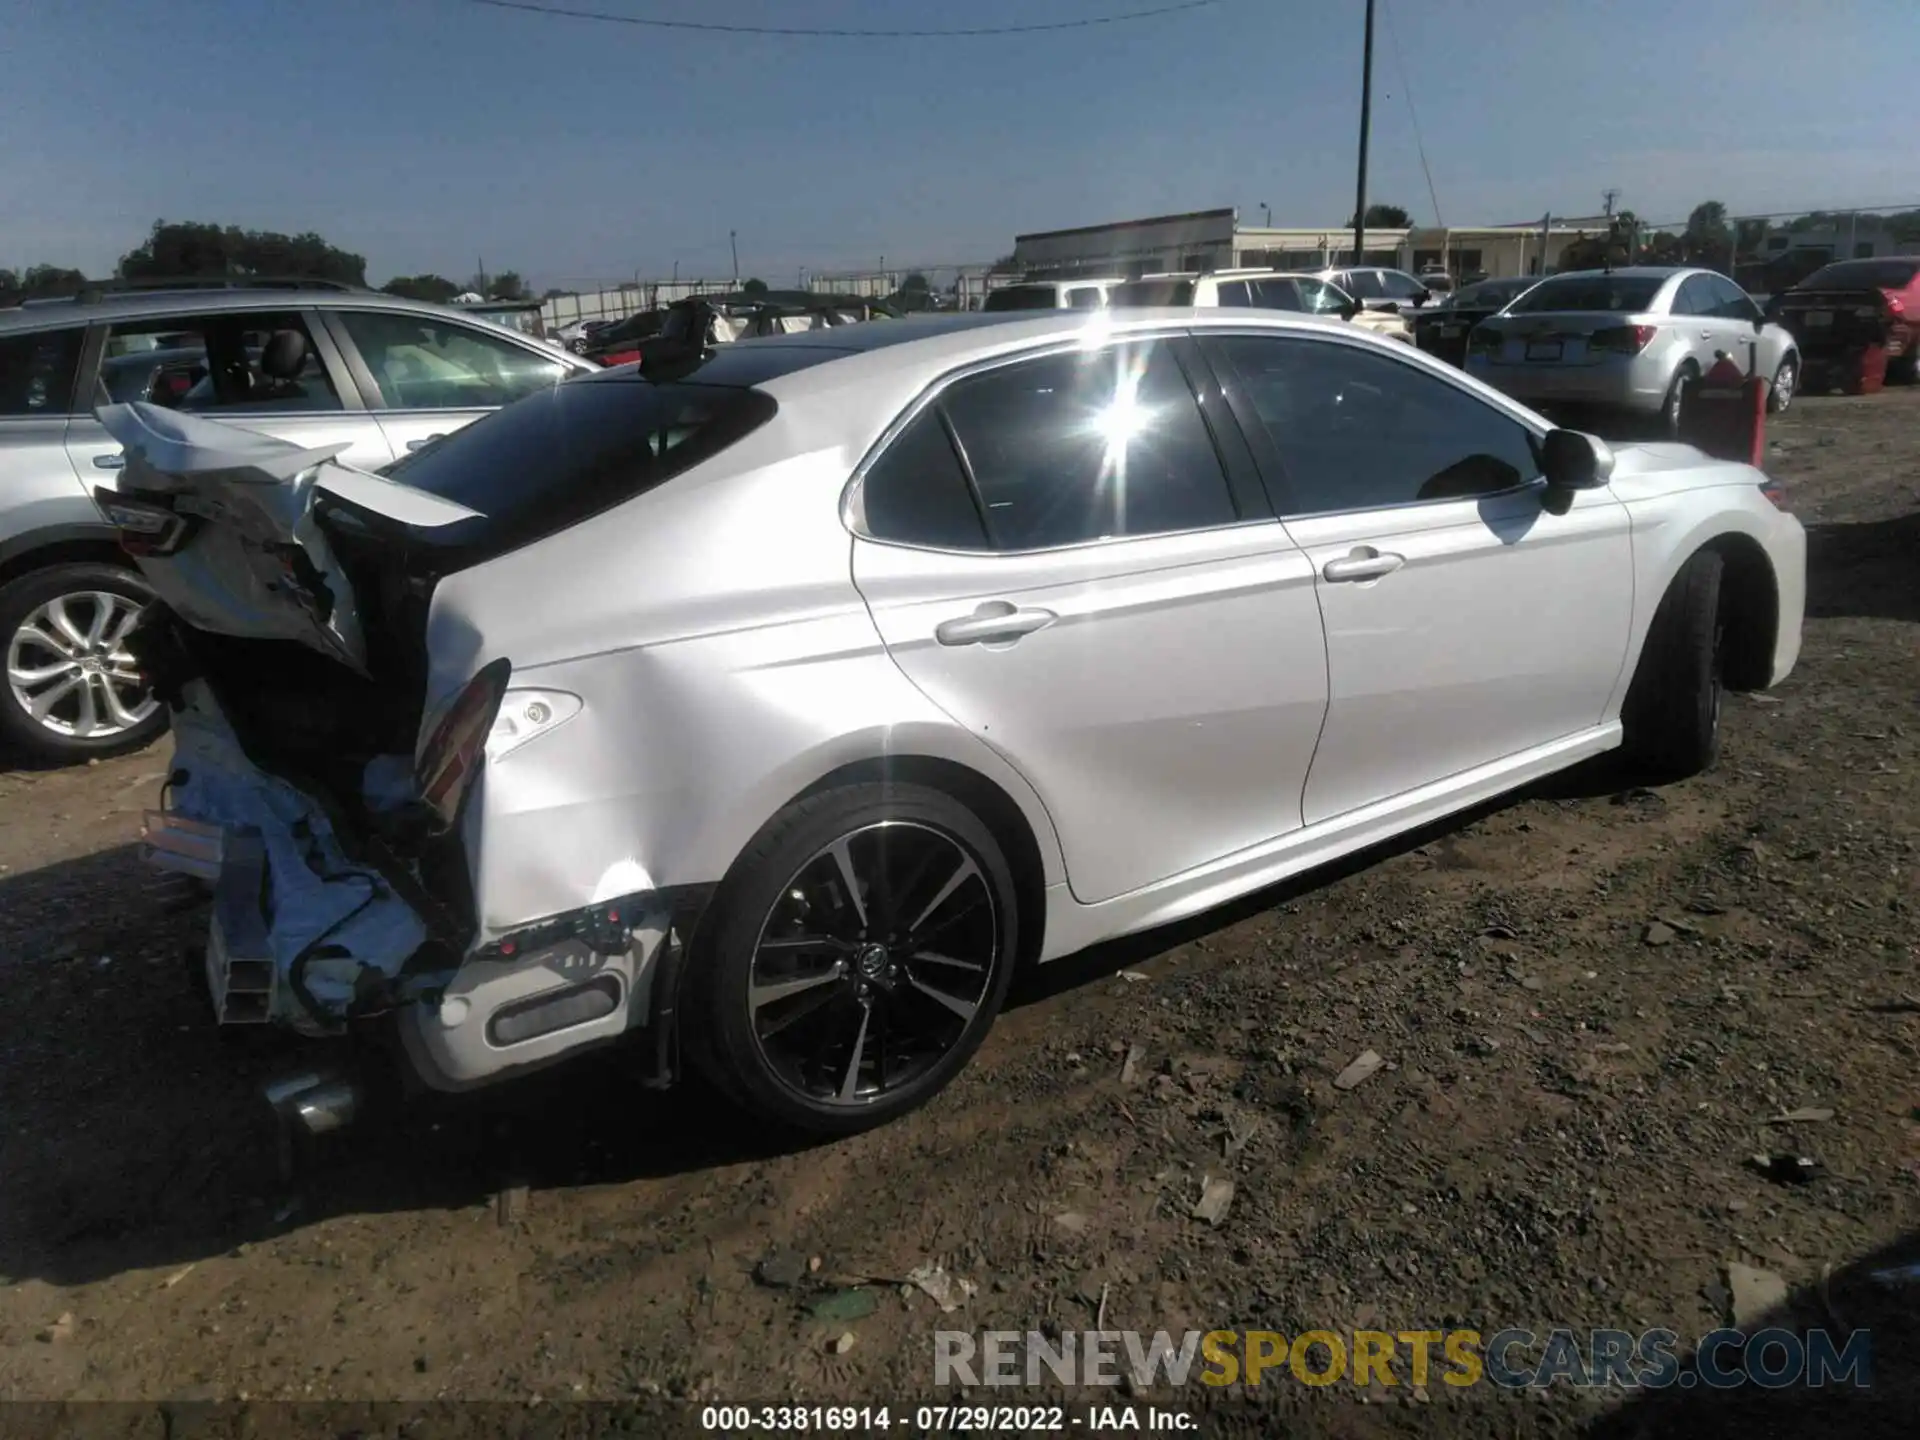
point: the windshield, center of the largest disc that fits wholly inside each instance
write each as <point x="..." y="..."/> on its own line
<point x="1023" y="297"/>
<point x="1862" y="275"/>
<point x="1624" y="294"/>
<point x="1152" y="292"/>
<point x="571" y="451"/>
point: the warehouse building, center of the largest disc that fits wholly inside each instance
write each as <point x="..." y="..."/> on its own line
<point x="1216" y="240"/>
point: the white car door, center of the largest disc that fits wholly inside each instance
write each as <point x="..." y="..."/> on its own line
<point x="173" y="362"/>
<point x="425" y="376"/>
<point x="1465" y="624"/>
<point x="1066" y="557"/>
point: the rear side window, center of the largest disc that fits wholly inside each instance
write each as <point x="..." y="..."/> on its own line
<point x="1236" y="293"/>
<point x="1023" y="297"/>
<point x="36" y="372"/>
<point x="917" y="493"/>
<point x="1087" y="297"/>
<point x="1276" y="295"/>
<point x="570" y="452"/>
<point x="1152" y="292"/>
<point x="1089" y="446"/>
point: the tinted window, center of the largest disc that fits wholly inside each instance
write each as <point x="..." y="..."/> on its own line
<point x="1276" y="294"/>
<point x="1730" y="302"/>
<point x="1488" y="294"/>
<point x="425" y="363"/>
<point x="1863" y="274"/>
<point x="1087" y="297"/>
<point x="1023" y="297"/>
<point x="227" y="362"/>
<point x="1626" y="294"/>
<point x="572" y="451"/>
<point x="1236" y="293"/>
<point x="917" y="494"/>
<point x="1358" y="431"/>
<point x="1366" y="285"/>
<point x="1088" y="445"/>
<point x="1152" y="292"/>
<point x="1401" y="286"/>
<point x="1694" y="297"/>
<point x="36" y="372"/>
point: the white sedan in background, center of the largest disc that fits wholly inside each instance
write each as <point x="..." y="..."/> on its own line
<point x="780" y="702"/>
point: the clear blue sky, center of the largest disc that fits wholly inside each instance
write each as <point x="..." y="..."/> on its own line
<point x="428" y="133"/>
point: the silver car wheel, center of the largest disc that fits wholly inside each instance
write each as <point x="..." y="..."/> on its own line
<point x="874" y="963"/>
<point x="1784" y="380"/>
<point x="69" y="670"/>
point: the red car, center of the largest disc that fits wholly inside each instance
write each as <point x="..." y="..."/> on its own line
<point x="1851" y="303"/>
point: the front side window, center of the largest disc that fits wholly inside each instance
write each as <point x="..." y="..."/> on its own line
<point x="1355" y="430"/>
<point x="228" y="362"/>
<point x="425" y="363"/>
<point x="1366" y="285"/>
<point x="1089" y="445"/>
<point x="36" y="371"/>
<point x="1276" y="295"/>
<point x="1401" y="286"/>
<point x="1322" y="298"/>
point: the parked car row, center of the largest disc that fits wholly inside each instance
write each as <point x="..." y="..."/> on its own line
<point x="774" y="707"/>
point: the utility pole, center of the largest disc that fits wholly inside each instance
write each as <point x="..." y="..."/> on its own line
<point x="734" y="244"/>
<point x="1607" y="197"/>
<point x="1366" y="121"/>
<point x="1266" y="215"/>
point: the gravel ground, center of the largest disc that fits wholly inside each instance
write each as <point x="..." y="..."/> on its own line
<point x="1591" y="1001"/>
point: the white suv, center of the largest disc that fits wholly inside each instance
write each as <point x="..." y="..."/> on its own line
<point x="1260" y="290"/>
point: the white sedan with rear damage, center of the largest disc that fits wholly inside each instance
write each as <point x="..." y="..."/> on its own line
<point x="771" y="705"/>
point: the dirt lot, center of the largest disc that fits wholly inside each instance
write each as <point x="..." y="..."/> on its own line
<point x="1590" y="1001"/>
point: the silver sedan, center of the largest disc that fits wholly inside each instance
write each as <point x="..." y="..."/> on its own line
<point x="775" y="704"/>
<point x="1627" y="340"/>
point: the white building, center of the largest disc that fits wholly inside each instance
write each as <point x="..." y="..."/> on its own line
<point x="1216" y="240"/>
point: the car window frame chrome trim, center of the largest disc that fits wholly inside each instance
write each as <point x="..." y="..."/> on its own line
<point x="363" y="376"/>
<point x="853" y="512"/>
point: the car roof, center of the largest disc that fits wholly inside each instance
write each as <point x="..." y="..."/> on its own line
<point x="1635" y="272"/>
<point x="159" y="304"/>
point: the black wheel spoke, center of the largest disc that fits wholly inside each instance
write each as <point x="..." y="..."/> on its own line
<point x="848" y="1001"/>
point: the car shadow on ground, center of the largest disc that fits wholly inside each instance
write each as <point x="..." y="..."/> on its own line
<point x="1867" y="569"/>
<point x="135" y="1135"/>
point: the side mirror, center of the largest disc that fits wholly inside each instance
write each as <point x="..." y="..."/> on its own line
<point x="1351" y="309"/>
<point x="1422" y="298"/>
<point x="1392" y="307"/>
<point x="1572" y="461"/>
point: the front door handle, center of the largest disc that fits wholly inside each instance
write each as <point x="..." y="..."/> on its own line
<point x="1363" y="563"/>
<point x="115" y="461"/>
<point x="995" y="620"/>
<point x="422" y="444"/>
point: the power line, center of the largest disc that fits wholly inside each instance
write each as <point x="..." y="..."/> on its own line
<point x="1406" y="89"/>
<point x="529" y="7"/>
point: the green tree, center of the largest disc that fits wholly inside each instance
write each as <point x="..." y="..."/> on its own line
<point x="915" y="283"/>
<point x="753" y="285"/>
<point x="38" y="282"/>
<point x="1005" y="265"/>
<point x="185" y="249"/>
<point x="436" y="288"/>
<point x="507" y="285"/>
<point x="1387" y="217"/>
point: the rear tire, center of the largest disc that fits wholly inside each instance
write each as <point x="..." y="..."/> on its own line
<point x="1672" y="409"/>
<point x="33" y="645"/>
<point x="1906" y="369"/>
<point x="1672" y="710"/>
<point x="799" y="1031"/>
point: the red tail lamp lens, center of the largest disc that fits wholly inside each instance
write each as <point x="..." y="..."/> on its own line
<point x="454" y="753"/>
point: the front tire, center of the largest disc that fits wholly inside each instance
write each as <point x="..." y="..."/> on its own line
<point x="854" y="958"/>
<point x="72" y="691"/>
<point x="1786" y="381"/>
<point x="1672" y="711"/>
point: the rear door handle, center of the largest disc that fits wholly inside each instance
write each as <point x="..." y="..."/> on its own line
<point x="1364" y="563"/>
<point x="422" y="444"/>
<point x="995" y="620"/>
<point x="115" y="461"/>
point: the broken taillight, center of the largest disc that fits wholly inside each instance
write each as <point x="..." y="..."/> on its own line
<point x="144" y="527"/>
<point x="1776" y="494"/>
<point x="454" y="752"/>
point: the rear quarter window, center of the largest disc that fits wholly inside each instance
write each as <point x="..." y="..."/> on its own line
<point x="37" y="371"/>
